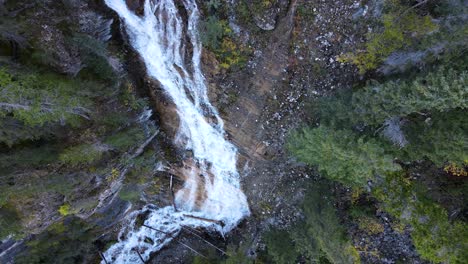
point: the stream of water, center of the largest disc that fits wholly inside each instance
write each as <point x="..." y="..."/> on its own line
<point x="211" y="190"/>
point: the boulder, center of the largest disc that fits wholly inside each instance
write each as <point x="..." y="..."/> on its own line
<point x="267" y="18"/>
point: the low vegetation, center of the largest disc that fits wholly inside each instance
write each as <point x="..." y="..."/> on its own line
<point x="401" y="27"/>
<point x="218" y="37"/>
<point x="82" y="154"/>
<point x="437" y="238"/>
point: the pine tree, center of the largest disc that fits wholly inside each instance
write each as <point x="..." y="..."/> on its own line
<point x="321" y="236"/>
<point x="441" y="91"/>
<point x="39" y="99"/>
<point x="442" y="138"/>
<point x="340" y="155"/>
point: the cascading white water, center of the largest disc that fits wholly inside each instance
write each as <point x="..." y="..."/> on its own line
<point x="211" y="189"/>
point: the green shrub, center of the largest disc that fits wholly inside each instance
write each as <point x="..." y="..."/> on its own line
<point x="130" y="194"/>
<point x="114" y="120"/>
<point x="399" y="29"/>
<point x="81" y="154"/>
<point x="94" y="54"/>
<point x="64" y="210"/>
<point x="370" y="225"/>
<point x="213" y="4"/>
<point x="69" y="241"/>
<point x="30" y="187"/>
<point x="213" y="30"/>
<point x="126" y="139"/>
<point x="340" y="155"/>
<point x="13" y="132"/>
<point x="333" y="110"/>
<point x="244" y="15"/>
<point x="237" y="255"/>
<point x="436" y="238"/>
<point x="29" y="157"/>
<point x="130" y="99"/>
<point x="10" y="222"/>
<point x="280" y="247"/>
<point x="143" y="170"/>
<point x="364" y="216"/>
<point x="359" y="211"/>
<point x="39" y="99"/>
<point x="217" y="36"/>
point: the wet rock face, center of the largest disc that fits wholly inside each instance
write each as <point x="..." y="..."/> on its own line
<point x="161" y="103"/>
<point x="136" y="6"/>
<point x="210" y="68"/>
<point x="169" y="118"/>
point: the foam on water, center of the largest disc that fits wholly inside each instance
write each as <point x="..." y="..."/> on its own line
<point x="159" y="36"/>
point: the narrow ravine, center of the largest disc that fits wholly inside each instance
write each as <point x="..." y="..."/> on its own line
<point x="211" y="189"/>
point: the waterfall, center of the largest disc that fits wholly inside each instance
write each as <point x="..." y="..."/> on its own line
<point x="211" y="189"/>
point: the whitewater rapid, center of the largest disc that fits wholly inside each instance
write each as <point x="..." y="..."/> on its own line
<point x="211" y="189"/>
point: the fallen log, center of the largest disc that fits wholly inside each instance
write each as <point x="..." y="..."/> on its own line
<point x="143" y="146"/>
<point x="103" y="258"/>
<point x="193" y="250"/>
<point x="170" y="235"/>
<point x="204" y="240"/>
<point x="219" y="222"/>
<point x="139" y="255"/>
<point x="158" y="230"/>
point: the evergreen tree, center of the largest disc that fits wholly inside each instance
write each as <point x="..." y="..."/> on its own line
<point x="319" y="238"/>
<point x="322" y="237"/>
<point x="442" y="90"/>
<point x="38" y="99"/>
<point x="442" y="138"/>
<point x="340" y="155"/>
